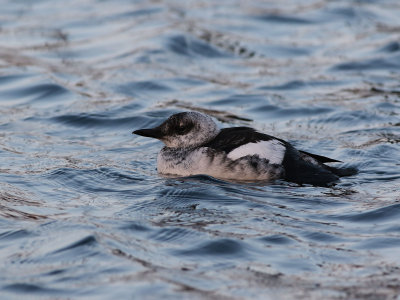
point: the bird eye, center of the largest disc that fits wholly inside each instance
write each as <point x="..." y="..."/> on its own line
<point x="181" y="128"/>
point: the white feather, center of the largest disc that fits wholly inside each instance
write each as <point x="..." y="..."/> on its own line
<point x="272" y="150"/>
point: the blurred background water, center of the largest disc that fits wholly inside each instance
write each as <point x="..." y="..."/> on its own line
<point x="83" y="212"/>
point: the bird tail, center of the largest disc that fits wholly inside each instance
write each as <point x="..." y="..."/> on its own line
<point x="342" y="171"/>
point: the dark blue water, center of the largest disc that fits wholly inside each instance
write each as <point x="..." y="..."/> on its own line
<point x="83" y="212"/>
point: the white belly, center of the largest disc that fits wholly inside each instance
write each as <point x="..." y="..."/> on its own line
<point x="217" y="164"/>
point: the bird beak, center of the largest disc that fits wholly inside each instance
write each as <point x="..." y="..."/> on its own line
<point x="152" y="132"/>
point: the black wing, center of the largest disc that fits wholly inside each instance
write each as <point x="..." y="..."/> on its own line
<point x="296" y="168"/>
<point x="231" y="138"/>
<point x="300" y="171"/>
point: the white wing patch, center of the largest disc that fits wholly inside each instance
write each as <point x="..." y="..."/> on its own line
<point x="272" y="150"/>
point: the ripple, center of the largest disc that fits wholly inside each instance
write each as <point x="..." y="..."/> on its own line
<point x="282" y="19"/>
<point x="11" y="79"/>
<point x="45" y="93"/>
<point x="300" y="84"/>
<point x="188" y="46"/>
<point x="102" y="180"/>
<point x="137" y="88"/>
<point x="15" y="234"/>
<point x="88" y="241"/>
<point x="70" y="251"/>
<point x="276" y="239"/>
<point x="389" y="63"/>
<point x="379" y="243"/>
<point x="276" y="113"/>
<point x="173" y="234"/>
<point x="135" y="227"/>
<point x="381" y="214"/>
<point x="195" y="188"/>
<point x="238" y="100"/>
<point x="184" y="196"/>
<point x="286" y="51"/>
<point x="146" y="12"/>
<point x="98" y="121"/>
<point x="29" y="288"/>
<point x="322" y="237"/>
<point x="351" y="119"/>
<point x="390" y="47"/>
<point x="226" y="248"/>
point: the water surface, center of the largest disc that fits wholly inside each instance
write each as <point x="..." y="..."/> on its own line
<point x="83" y="212"/>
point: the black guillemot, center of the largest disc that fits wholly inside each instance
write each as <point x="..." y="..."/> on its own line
<point x="195" y="145"/>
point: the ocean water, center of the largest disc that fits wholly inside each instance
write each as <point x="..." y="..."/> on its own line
<point x="83" y="212"/>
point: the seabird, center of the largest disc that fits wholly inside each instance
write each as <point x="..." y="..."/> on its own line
<point x="195" y="145"/>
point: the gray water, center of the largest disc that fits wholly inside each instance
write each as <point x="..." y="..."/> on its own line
<point x="83" y="212"/>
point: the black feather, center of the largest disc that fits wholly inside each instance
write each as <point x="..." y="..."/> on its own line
<point x="297" y="169"/>
<point x="303" y="172"/>
<point x="320" y="158"/>
<point x="231" y="138"/>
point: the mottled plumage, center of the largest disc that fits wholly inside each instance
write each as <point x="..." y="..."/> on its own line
<point x="195" y="145"/>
